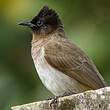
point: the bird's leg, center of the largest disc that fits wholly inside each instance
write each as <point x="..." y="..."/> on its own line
<point x="62" y="95"/>
<point x="54" y="101"/>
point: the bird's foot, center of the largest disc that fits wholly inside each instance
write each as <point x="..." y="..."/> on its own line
<point x="50" y="98"/>
<point x="54" y="101"/>
<point x="62" y="95"/>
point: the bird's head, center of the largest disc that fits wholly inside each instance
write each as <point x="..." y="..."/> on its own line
<point x="46" y="21"/>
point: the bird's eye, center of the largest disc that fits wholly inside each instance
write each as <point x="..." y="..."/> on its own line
<point x="39" y="23"/>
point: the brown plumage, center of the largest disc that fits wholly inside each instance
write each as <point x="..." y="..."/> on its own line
<point x="61" y="65"/>
<point x="72" y="61"/>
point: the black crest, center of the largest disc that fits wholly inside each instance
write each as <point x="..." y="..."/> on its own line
<point x="48" y="16"/>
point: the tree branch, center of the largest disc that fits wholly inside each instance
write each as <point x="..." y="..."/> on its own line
<point x="89" y="100"/>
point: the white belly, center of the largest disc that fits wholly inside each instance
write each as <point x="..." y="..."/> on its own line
<point x="57" y="82"/>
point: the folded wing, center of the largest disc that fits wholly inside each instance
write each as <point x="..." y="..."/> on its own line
<point x="72" y="61"/>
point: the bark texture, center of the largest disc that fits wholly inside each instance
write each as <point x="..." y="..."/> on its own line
<point x="89" y="100"/>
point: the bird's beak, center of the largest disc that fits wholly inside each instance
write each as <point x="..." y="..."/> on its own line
<point x="26" y="23"/>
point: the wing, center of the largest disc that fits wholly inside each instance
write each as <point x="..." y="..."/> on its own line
<point x="71" y="60"/>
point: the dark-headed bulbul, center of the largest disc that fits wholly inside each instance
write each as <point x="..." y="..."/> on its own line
<point x="61" y="65"/>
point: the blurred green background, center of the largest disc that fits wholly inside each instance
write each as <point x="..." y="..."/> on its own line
<point x="86" y="22"/>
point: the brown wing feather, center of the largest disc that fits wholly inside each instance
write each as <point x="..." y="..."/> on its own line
<point x="71" y="60"/>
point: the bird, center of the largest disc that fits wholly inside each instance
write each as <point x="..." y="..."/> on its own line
<point x="61" y="65"/>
